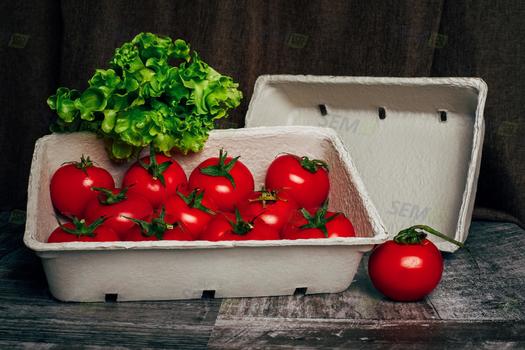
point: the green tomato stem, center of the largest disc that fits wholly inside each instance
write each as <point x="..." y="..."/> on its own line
<point x="417" y="233"/>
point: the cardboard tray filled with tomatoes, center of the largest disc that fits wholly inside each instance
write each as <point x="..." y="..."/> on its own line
<point x="231" y="249"/>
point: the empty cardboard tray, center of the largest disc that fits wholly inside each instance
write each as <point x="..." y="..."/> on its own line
<point x="416" y="141"/>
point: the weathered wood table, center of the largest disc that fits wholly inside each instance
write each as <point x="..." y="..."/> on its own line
<point x="480" y="304"/>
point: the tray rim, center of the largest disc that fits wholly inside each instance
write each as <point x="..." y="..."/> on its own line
<point x="380" y="234"/>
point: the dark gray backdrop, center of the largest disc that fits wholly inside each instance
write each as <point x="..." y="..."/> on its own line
<point x="48" y="43"/>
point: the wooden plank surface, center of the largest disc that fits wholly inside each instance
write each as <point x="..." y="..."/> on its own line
<point x="31" y="318"/>
<point x="488" y="283"/>
<point x="478" y="305"/>
<point x="256" y="333"/>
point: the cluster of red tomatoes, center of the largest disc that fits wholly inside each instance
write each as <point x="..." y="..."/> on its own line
<point x="156" y="201"/>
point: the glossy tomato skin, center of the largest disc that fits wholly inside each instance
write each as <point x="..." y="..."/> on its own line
<point x="193" y="219"/>
<point x="102" y="234"/>
<point x="308" y="189"/>
<point x="133" y="206"/>
<point x="275" y="214"/>
<point x="70" y="187"/>
<point x="174" y="234"/>
<point x="142" y="183"/>
<point x="405" y="272"/>
<point x="220" y="229"/>
<point x="340" y="226"/>
<point x="219" y="188"/>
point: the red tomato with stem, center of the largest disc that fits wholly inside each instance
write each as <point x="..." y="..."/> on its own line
<point x="190" y="208"/>
<point x="409" y="267"/>
<point x="80" y="231"/>
<point x="157" y="230"/>
<point x="233" y="227"/>
<point x="225" y="180"/>
<point x="116" y="204"/>
<point x="320" y="224"/>
<point x="172" y="233"/>
<point x="155" y="177"/>
<point x="71" y="186"/>
<point x="274" y="208"/>
<point x="306" y="180"/>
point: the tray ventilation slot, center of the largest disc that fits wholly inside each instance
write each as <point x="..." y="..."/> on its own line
<point x="111" y="297"/>
<point x="300" y="291"/>
<point x="208" y="294"/>
<point x="381" y="112"/>
<point x="442" y="116"/>
<point x="323" y="110"/>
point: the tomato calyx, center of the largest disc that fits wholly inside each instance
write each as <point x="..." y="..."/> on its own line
<point x="157" y="227"/>
<point x="81" y="228"/>
<point x="156" y="170"/>
<point x="319" y="219"/>
<point x="107" y="197"/>
<point x="267" y="196"/>
<point x="417" y="233"/>
<point x="312" y="165"/>
<point x="240" y="226"/>
<point x="222" y="169"/>
<point x="84" y="164"/>
<point x="194" y="200"/>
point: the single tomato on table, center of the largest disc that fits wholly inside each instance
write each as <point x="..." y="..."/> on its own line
<point x="225" y="179"/>
<point x="116" y="205"/>
<point x="81" y="231"/>
<point x="234" y="227"/>
<point x="305" y="179"/>
<point x="71" y="186"/>
<point x="409" y="267"/>
<point x="274" y="208"/>
<point x="191" y="208"/>
<point x="322" y="223"/>
<point x="154" y="177"/>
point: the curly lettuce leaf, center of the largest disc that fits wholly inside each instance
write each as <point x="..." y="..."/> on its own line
<point x="156" y="91"/>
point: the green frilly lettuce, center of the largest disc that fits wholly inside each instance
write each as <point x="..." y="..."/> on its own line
<point x="157" y="91"/>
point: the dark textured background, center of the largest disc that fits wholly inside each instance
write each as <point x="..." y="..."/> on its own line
<point x="44" y="44"/>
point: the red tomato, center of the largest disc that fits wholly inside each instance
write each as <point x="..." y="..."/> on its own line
<point x="71" y="184"/>
<point x="155" y="178"/>
<point x="157" y="229"/>
<point x="274" y="208"/>
<point x="116" y="205"/>
<point x="405" y="271"/>
<point x="192" y="209"/>
<point x="306" y="180"/>
<point x="226" y="180"/>
<point x="230" y="227"/>
<point x="321" y="224"/>
<point x="79" y="231"/>
<point x="175" y="233"/>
